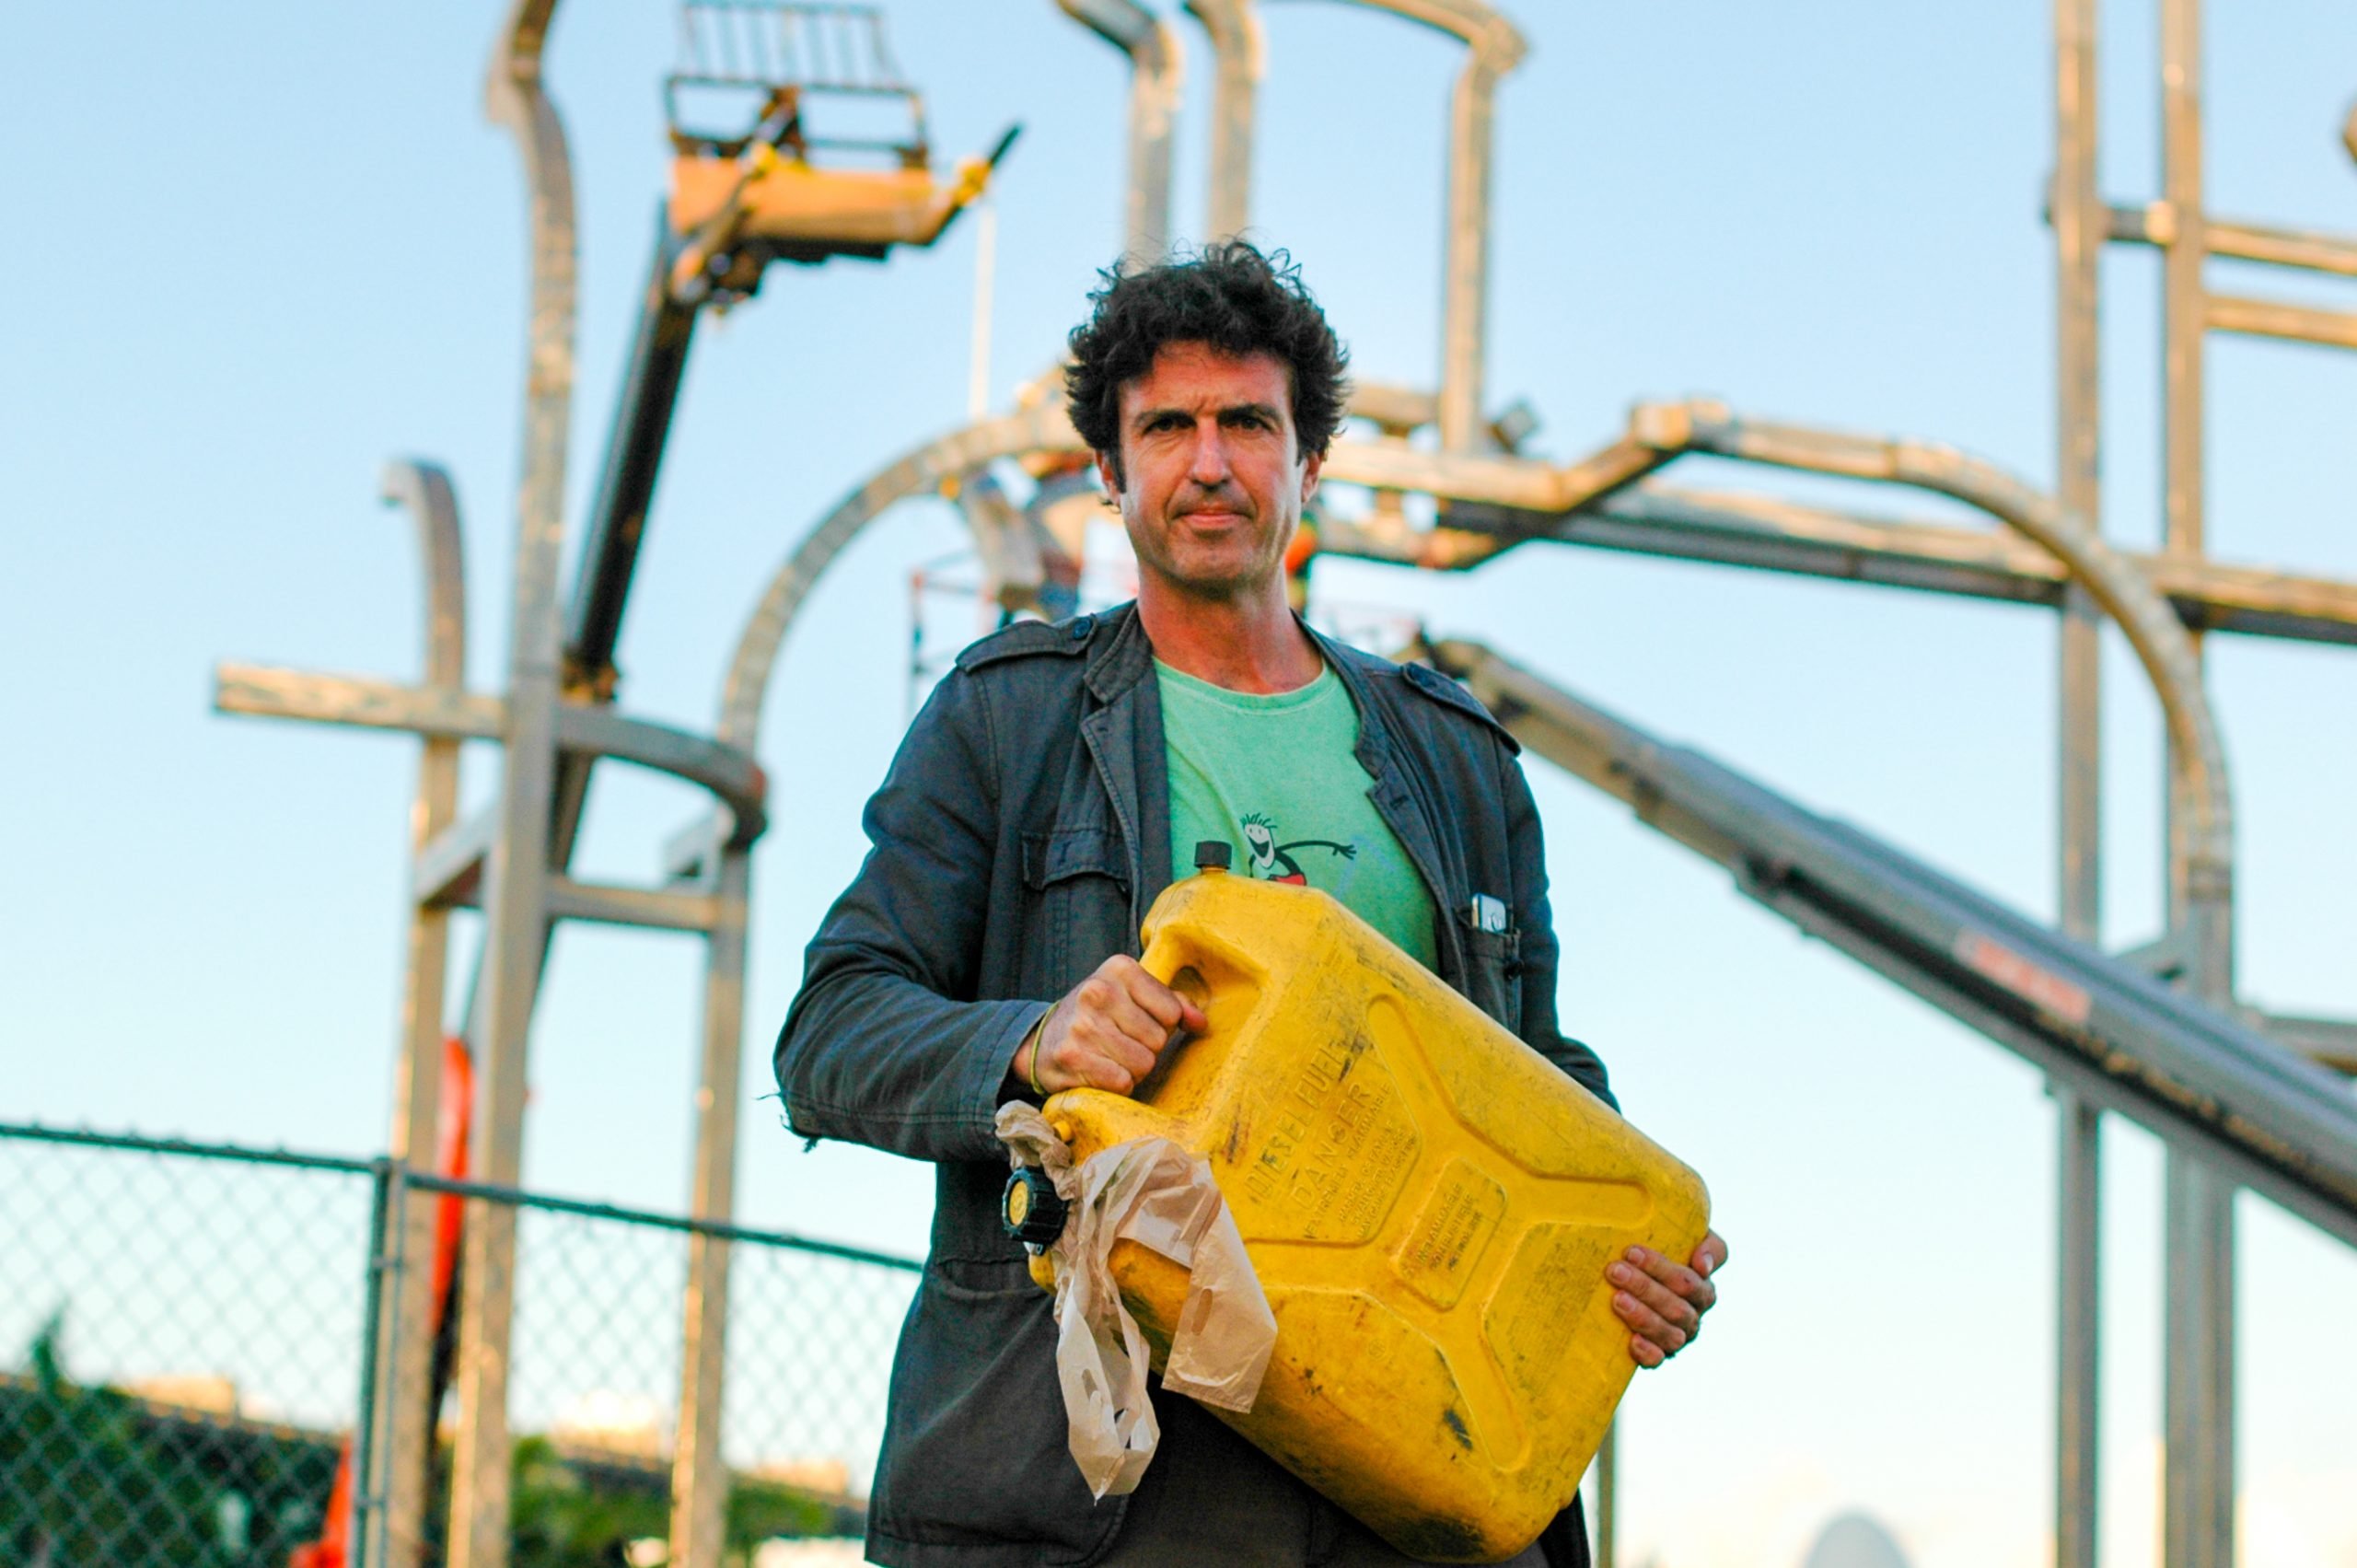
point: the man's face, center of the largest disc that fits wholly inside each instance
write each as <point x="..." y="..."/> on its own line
<point x="1213" y="477"/>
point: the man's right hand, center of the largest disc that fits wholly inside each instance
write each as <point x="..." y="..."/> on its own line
<point x="1107" y="1031"/>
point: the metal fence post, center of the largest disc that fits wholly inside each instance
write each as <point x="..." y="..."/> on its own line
<point x="382" y="1279"/>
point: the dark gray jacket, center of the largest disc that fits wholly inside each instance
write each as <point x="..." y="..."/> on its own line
<point x="1021" y="834"/>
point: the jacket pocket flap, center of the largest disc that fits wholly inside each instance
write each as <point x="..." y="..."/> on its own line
<point x="1050" y="858"/>
<point x="1501" y="948"/>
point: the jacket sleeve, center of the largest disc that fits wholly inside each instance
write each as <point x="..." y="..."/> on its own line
<point x="1541" y="955"/>
<point x="885" y="1044"/>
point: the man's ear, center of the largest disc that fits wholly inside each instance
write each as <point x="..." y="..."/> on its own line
<point x="1108" y="472"/>
<point x="1311" y="466"/>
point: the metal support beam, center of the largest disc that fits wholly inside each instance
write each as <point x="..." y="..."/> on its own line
<point x="2079" y="220"/>
<point x="1158" y="68"/>
<point x="1767" y="534"/>
<point x="699" y="1471"/>
<point x="2190" y="1072"/>
<point x="2331" y="1041"/>
<point x="1238" y="54"/>
<point x="2078" y="1323"/>
<point x="517" y="882"/>
<point x="1492" y="48"/>
<point x="393" y="1533"/>
<point x="1512" y="481"/>
<point x="607" y="904"/>
<point x="2198" y="1502"/>
<point x="728" y="772"/>
<point x="2204" y="833"/>
<point x="581" y="729"/>
<point x="447" y="870"/>
<point x="2301" y="250"/>
<point x="634" y="461"/>
<point x="2291" y="323"/>
<point x="1465" y="308"/>
<point x="2198" y="1330"/>
<point x="436" y="713"/>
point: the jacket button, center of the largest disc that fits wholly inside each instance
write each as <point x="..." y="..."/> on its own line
<point x="1082" y="627"/>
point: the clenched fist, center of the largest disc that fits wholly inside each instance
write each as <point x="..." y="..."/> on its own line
<point x="1107" y="1032"/>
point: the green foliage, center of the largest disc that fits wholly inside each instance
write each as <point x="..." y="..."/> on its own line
<point x="90" y="1475"/>
<point x="558" y="1519"/>
<point x="572" y="1512"/>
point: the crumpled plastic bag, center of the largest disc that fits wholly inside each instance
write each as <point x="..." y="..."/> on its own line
<point x="1150" y="1192"/>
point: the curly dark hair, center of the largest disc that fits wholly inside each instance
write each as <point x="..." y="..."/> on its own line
<point x="1227" y="294"/>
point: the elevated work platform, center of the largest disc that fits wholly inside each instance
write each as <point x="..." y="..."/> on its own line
<point x="761" y="173"/>
<point x="2202" y="1077"/>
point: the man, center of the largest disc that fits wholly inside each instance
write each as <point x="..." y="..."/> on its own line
<point x="1055" y="783"/>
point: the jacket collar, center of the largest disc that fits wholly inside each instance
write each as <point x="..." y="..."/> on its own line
<point x="1124" y="739"/>
<point x="1119" y="654"/>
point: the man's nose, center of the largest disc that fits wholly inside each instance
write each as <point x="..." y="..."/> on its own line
<point x="1210" y="464"/>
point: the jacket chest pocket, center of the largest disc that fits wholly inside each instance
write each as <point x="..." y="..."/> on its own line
<point x="1077" y="882"/>
<point x="1494" y="971"/>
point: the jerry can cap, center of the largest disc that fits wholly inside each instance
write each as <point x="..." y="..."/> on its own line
<point x="1031" y="1209"/>
<point x="1214" y="854"/>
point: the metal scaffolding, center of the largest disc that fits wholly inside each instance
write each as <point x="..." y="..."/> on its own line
<point x="2050" y="549"/>
<point x="2200" y="1072"/>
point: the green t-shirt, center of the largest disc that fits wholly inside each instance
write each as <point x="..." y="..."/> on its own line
<point x="1278" y="779"/>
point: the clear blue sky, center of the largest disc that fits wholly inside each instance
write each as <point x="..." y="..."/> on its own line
<point x="259" y="249"/>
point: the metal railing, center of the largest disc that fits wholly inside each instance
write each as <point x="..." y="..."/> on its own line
<point x="186" y="1373"/>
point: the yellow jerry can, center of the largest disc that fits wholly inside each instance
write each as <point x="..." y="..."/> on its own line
<point x="1430" y="1206"/>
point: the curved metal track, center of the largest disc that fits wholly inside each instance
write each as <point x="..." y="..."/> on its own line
<point x="2192" y="1072"/>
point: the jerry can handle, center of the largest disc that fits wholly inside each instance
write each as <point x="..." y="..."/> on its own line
<point x="1166" y="957"/>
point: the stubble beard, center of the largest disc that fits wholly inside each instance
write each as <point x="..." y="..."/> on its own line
<point x="1162" y="555"/>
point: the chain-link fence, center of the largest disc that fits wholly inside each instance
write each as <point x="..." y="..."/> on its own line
<point x="182" y="1337"/>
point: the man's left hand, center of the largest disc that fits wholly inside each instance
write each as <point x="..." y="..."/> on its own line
<point x="1663" y="1302"/>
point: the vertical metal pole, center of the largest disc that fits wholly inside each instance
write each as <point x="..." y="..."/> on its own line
<point x="2198" y="1318"/>
<point x="1238" y="53"/>
<point x="1156" y="71"/>
<point x="700" y="1470"/>
<point x="2078" y="1343"/>
<point x="1154" y="106"/>
<point x="405" y="1351"/>
<point x="367" y="1501"/>
<point x="978" y="371"/>
<point x="1608" y="1506"/>
<point x="1465" y="263"/>
<point x="2079" y="232"/>
<point x="516" y="902"/>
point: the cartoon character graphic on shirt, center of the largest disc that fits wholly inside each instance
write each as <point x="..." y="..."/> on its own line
<point x="1268" y="856"/>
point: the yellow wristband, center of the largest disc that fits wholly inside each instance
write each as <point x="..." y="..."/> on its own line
<point x="1032" y="1068"/>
